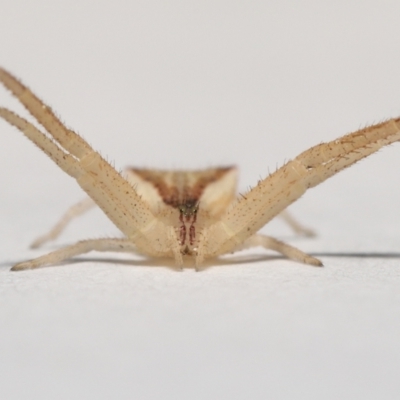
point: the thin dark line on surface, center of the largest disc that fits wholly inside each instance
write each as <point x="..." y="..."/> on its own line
<point x="225" y="261"/>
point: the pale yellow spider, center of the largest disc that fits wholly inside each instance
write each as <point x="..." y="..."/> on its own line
<point x="179" y="214"/>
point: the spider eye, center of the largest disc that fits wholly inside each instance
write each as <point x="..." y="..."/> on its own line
<point x="188" y="209"/>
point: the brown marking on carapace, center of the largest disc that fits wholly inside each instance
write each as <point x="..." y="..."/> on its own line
<point x="181" y="189"/>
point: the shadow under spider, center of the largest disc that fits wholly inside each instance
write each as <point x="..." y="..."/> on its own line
<point x="217" y="262"/>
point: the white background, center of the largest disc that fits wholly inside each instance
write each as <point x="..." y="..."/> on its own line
<point x="192" y="84"/>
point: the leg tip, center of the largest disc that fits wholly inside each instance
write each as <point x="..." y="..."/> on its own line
<point x="22" y="266"/>
<point x="317" y="263"/>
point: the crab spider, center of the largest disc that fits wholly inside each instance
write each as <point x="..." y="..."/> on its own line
<point x="181" y="214"/>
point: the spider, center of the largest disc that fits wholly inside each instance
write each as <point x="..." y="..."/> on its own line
<point x="182" y="214"/>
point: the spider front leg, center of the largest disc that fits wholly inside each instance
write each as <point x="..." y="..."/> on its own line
<point x="112" y="193"/>
<point x="276" y="192"/>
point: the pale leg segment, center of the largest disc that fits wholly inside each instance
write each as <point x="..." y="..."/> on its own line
<point x="73" y="212"/>
<point x="112" y="193"/>
<point x="295" y="225"/>
<point x="67" y="138"/>
<point x="82" y="247"/>
<point x="276" y="192"/>
<point x="271" y="243"/>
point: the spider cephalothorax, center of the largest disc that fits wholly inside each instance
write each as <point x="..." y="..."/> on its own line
<point x="187" y="200"/>
<point x="182" y="213"/>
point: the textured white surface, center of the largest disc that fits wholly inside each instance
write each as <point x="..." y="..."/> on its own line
<point x="173" y="84"/>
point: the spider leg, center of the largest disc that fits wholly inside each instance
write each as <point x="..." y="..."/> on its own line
<point x="295" y="225"/>
<point x="64" y="160"/>
<point x="287" y="250"/>
<point x="112" y="193"/>
<point x="73" y="212"/>
<point x="82" y="247"/>
<point x="101" y="181"/>
<point x="67" y="138"/>
<point x="276" y="192"/>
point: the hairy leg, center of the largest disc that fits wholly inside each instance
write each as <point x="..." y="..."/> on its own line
<point x="72" y="213"/>
<point x="276" y="192"/>
<point x="111" y="192"/>
<point x="82" y="247"/>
